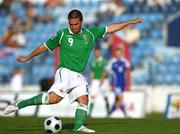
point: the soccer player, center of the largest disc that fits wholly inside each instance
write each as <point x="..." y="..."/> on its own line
<point x="76" y="44"/>
<point x="97" y="67"/>
<point x="117" y="67"/>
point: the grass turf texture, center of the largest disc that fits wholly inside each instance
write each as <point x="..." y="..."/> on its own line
<point x="152" y="124"/>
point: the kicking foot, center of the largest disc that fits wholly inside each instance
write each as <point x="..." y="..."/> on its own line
<point x="11" y="108"/>
<point x="84" y="129"/>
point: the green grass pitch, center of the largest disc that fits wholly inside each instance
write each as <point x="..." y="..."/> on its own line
<point x="153" y="124"/>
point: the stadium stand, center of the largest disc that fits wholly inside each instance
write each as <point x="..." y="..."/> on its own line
<point x="151" y="47"/>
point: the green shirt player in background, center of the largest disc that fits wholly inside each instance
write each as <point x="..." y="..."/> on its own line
<point x="97" y="67"/>
<point x="75" y="44"/>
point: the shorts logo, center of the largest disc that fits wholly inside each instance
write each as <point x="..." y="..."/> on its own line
<point x="61" y="90"/>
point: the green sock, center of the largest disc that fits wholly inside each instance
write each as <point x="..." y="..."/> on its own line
<point x="80" y="116"/>
<point x="39" y="99"/>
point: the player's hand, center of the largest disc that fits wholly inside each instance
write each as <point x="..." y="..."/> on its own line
<point x="137" y="20"/>
<point x="22" y="59"/>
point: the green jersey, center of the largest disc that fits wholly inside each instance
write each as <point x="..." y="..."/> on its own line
<point x="75" y="49"/>
<point x="97" y="67"/>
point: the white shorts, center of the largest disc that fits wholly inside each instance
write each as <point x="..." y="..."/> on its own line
<point x="69" y="82"/>
<point x="96" y="89"/>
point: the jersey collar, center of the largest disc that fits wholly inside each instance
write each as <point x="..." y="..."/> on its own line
<point x="72" y="32"/>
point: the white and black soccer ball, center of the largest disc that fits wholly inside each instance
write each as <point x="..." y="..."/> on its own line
<point x="52" y="125"/>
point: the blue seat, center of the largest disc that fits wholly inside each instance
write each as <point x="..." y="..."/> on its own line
<point x="148" y="52"/>
<point x="178" y="79"/>
<point x="162" y="68"/>
<point x="169" y="79"/>
<point x="159" y="79"/>
<point x="156" y="33"/>
<point x="140" y="77"/>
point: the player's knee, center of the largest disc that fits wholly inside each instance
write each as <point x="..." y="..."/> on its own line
<point x="83" y="99"/>
<point x="53" y="98"/>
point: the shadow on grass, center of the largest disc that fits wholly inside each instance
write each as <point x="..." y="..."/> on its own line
<point x="68" y="126"/>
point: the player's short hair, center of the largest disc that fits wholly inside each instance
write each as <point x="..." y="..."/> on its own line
<point x="97" y="48"/>
<point x="74" y="14"/>
<point x="120" y="48"/>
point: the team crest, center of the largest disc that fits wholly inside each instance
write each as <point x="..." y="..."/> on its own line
<point x="84" y="37"/>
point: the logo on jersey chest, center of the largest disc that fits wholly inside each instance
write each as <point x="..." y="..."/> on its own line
<point x="84" y="37"/>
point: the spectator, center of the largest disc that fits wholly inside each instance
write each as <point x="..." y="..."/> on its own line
<point x="153" y="3"/>
<point x="132" y="35"/>
<point x="13" y="37"/>
<point x="110" y="9"/>
<point x="13" y="20"/>
<point x="104" y="13"/>
<point x="156" y="5"/>
<point x="117" y="6"/>
<point x="32" y="16"/>
<point x="54" y="3"/>
<point x="53" y="7"/>
<point x="5" y="7"/>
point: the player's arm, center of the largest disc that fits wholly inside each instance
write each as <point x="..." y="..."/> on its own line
<point x="39" y="50"/>
<point x="50" y="44"/>
<point x="118" y="26"/>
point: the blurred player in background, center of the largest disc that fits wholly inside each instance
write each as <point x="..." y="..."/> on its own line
<point x="97" y="67"/>
<point x="16" y="83"/>
<point x="117" y="67"/>
<point x="76" y="44"/>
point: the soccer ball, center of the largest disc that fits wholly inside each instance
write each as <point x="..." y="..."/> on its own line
<point x="52" y="125"/>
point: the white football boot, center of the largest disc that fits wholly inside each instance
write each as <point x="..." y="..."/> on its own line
<point x="11" y="108"/>
<point x="84" y="129"/>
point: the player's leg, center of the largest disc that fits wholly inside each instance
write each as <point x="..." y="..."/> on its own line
<point x="93" y="93"/>
<point x="40" y="99"/>
<point x="81" y="115"/>
<point x="105" y="88"/>
<point x="121" y="104"/>
<point x="43" y="98"/>
<point x="80" y="94"/>
<point x="115" y="106"/>
<point x="107" y="103"/>
<point x="54" y="95"/>
<point x="91" y="105"/>
<point x="81" y="111"/>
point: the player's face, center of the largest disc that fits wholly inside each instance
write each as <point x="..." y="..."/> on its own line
<point x="97" y="53"/>
<point x="75" y="25"/>
<point x="119" y="53"/>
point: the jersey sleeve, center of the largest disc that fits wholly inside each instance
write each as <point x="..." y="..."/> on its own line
<point x="92" y="66"/>
<point x="98" y="32"/>
<point x="53" y="42"/>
